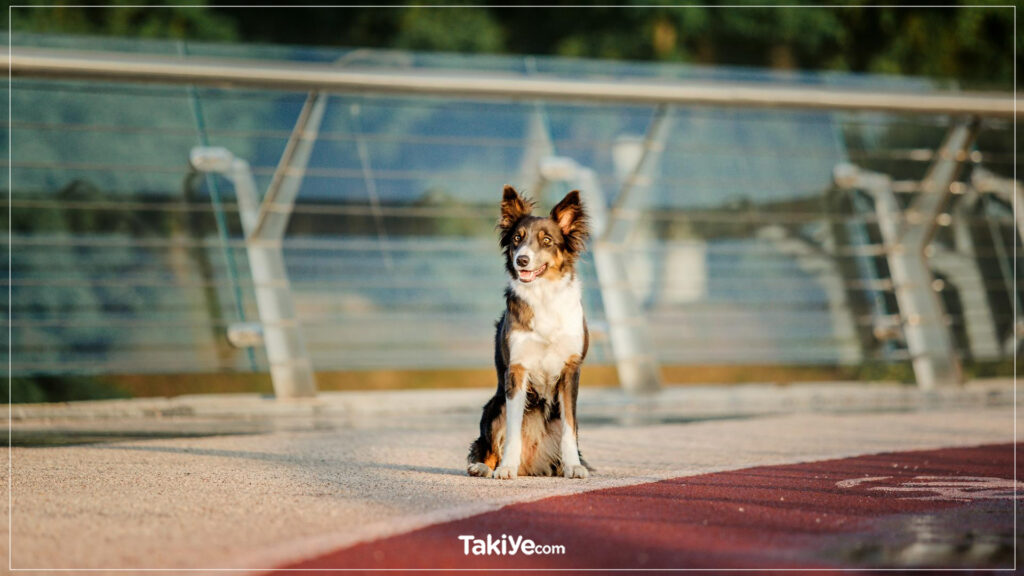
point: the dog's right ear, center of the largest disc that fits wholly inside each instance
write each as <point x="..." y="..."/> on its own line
<point x="513" y="208"/>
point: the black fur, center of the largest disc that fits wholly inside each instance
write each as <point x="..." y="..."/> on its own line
<point x="481" y="447"/>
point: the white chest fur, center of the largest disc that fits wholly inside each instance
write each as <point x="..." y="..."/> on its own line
<point x="556" y="332"/>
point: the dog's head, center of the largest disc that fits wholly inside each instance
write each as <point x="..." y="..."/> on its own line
<point x="536" y="247"/>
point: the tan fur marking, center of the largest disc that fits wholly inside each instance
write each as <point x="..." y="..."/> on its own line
<point x="497" y="440"/>
<point x="571" y="365"/>
<point x="492" y="460"/>
<point x="557" y="268"/>
<point x="529" y="452"/>
<point x="569" y="216"/>
<point x="516" y="379"/>
<point x="541" y="445"/>
<point x="565" y="219"/>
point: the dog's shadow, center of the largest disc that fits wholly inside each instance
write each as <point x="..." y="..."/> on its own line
<point x="284" y="458"/>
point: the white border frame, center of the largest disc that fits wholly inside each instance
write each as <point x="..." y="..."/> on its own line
<point x="10" y="451"/>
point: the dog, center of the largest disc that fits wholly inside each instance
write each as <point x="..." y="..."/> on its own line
<point x="529" y="427"/>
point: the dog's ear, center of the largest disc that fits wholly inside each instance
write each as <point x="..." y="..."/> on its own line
<point x="572" y="220"/>
<point x="513" y="207"/>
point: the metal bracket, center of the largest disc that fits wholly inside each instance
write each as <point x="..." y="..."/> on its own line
<point x="1012" y="193"/>
<point x="264" y="224"/>
<point x="1007" y="189"/>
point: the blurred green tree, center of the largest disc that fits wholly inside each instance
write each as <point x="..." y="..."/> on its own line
<point x="449" y="30"/>
<point x="160" y="19"/>
<point x="968" y="42"/>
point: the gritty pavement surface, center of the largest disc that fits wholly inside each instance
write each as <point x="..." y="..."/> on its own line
<point x="181" y="492"/>
<point x="946" y="508"/>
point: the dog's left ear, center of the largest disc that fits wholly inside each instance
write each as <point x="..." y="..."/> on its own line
<point x="572" y="220"/>
<point x="513" y="207"/>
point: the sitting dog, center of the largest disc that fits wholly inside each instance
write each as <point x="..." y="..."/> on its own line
<point x="529" y="426"/>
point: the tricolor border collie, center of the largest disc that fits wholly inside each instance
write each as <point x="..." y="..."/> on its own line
<point x="529" y="426"/>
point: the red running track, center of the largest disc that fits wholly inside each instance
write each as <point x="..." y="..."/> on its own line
<point x="950" y="508"/>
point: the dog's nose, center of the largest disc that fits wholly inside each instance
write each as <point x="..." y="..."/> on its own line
<point x="523" y="261"/>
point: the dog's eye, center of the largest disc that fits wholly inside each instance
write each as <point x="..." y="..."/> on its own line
<point x="517" y="238"/>
<point x="547" y="241"/>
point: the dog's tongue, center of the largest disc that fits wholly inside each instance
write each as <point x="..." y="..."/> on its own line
<point x="530" y="275"/>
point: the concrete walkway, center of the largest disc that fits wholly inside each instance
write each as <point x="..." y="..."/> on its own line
<point x="258" y="489"/>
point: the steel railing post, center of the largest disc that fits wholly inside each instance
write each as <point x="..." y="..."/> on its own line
<point x="264" y="224"/>
<point x="906" y="235"/>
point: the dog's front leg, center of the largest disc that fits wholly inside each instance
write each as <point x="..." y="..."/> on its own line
<point x="515" y="406"/>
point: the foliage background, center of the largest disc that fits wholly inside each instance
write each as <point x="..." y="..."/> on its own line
<point x="971" y="42"/>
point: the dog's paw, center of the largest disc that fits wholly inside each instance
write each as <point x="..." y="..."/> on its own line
<point x="577" y="471"/>
<point x="505" y="473"/>
<point x="479" y="469"/>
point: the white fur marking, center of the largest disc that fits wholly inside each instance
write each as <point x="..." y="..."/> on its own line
<point x="557" y="329"/>
<point x="570" y="450"/>
<point x="479" y="469"/>
<point x="512" y="452"/>
<point x="571" y="466"/>
<point x="524" y="250"/>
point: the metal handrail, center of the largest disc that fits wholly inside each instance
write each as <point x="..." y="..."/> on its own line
<point x="109" y="66"/>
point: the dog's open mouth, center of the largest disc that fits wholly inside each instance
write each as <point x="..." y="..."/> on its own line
<point x="531" y="275"/>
